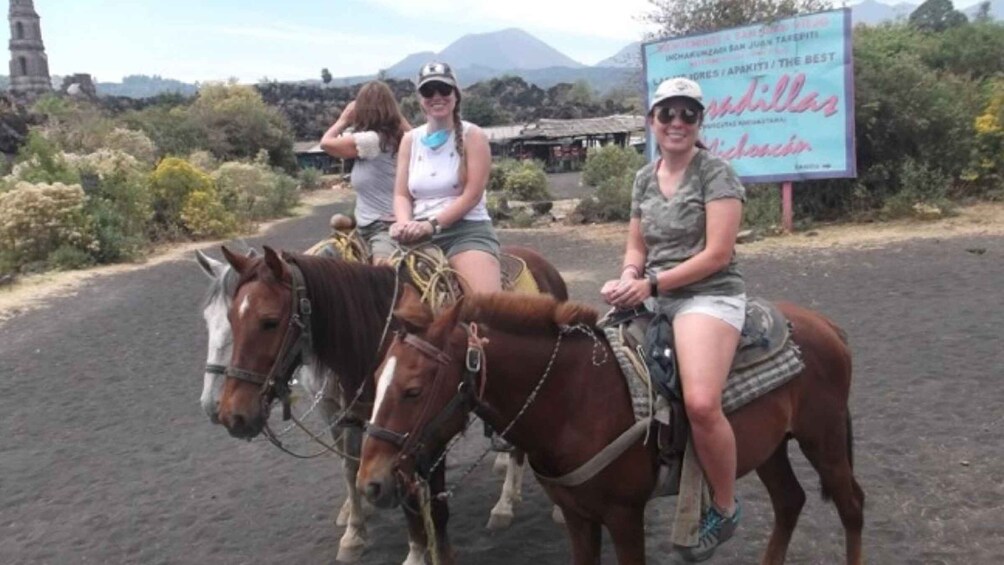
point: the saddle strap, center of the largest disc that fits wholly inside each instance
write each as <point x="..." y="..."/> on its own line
<point x="591" y="468"/>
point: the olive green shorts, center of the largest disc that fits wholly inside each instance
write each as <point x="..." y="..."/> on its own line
<point x="377" y="235"/>
<point x="468" y="235"/>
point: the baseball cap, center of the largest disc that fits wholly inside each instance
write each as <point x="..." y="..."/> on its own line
<point x="677" y="87"/>
<point x="436" y="72"/>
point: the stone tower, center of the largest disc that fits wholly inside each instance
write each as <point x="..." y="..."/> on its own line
<point x="29" y="67"/>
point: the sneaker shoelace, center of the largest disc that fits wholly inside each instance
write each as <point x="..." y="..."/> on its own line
<point x="711" y="522"/>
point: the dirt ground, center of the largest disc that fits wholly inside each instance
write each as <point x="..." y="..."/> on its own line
<point x="105" y="456"/>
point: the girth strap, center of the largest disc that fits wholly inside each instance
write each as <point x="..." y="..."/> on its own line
<point x="591" y="468"/>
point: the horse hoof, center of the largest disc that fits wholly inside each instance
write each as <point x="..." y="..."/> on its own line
<point x="557" y="515"/>
<point x="350" y="554"/>
<point x="499" y="521"/>
<point x="501" y="464"/>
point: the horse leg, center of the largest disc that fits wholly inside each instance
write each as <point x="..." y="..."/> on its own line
<point x="585" y="537"/>
<point x="627" y="530"/>
<point x="512" y="493"/>
<point x="354" y="540"/>
<point x="831" y="457"/>
<point x="787" y="498"/>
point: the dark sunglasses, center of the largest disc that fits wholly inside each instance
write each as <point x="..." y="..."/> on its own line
<point x="430" y="89"/>
<point x="666" y="114"/>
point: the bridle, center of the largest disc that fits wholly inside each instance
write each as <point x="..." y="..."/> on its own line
<point x="468" y="397"/>
<point x="295" y="341"/>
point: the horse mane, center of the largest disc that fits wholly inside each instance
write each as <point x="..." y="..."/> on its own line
<point x="525" y="313"/>
<point x="350" y="304"/>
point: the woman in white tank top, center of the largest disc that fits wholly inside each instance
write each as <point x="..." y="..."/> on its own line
<point x="439" y="192"/>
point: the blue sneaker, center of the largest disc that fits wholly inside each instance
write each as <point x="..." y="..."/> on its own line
<point x="716" y="529"/>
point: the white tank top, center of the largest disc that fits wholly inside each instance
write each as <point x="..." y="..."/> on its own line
<point x="432" y="177"/>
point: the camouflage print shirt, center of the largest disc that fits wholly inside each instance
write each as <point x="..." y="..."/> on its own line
<point x="674" y="228"/>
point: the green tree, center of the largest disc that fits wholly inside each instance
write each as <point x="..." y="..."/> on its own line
<point x="482" y="111"/>
<point x="239" y="124"/>
<point x="677" y="17"/>
<point x="937" y="16"/>
<point x="325" y="75"/>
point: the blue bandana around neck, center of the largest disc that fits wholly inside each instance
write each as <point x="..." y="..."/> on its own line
<point x="436" y="139"/>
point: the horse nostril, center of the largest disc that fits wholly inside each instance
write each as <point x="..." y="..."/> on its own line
<point x="373" y="491"/>
<point x="237" y="422"/>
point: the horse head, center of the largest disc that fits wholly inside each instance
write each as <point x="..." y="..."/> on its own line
<point x="418" y="406"/>
<point x="214" y="312"/>
<point x="264" y="322"/>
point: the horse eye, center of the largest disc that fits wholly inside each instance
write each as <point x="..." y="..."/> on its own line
<point x="413" y="392"/>
<point x="269" y="324"/>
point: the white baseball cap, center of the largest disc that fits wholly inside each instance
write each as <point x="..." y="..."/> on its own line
<point x="677" y="87"/>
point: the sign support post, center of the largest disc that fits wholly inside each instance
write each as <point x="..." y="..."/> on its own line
<point x="787" y="215"/>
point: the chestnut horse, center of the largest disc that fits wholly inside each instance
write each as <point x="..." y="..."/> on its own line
<point x="552" y="381"/>
<point x="286" y="309"/>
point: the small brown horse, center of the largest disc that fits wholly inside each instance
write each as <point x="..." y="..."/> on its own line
<point x="573" y="404"/>
<point x="336" y="311"/>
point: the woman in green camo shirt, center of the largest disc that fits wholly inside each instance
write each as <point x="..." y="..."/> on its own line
<point x="685" y="212"/>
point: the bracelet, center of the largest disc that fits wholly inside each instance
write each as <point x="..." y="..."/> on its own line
<point x="436" y="228"/>
<point x="636" y="270"/>
<point x="653" y="282"/>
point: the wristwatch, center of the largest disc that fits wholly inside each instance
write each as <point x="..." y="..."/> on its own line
<point x="436" y="228"/>
<point x="653" y="282"/>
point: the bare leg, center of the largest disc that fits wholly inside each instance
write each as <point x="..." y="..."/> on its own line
<point x="705" y="348"/>
<point x="479" y="270"/>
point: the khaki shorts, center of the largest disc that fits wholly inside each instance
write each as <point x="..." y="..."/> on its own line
<point x="377" y="235"/>
<point x="468" y="235"/>
<point x="729" y="309"/>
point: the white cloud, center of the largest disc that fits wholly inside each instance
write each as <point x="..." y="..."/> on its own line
<point x="612" y="20"/>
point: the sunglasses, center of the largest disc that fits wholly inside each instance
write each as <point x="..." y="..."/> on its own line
<point x="430" y="89"/>
<point x="666" y="114"/>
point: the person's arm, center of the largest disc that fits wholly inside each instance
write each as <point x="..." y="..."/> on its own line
<point x="334" y="143"/>
<point x="403" y="204"/>
<point x="632" y="269"/>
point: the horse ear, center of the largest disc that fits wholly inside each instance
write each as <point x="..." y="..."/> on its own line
<point x="278" y="267"/>
<point x="237" y="261"/>
<point x="210" y="266"/>
<point x="411" y="311"/>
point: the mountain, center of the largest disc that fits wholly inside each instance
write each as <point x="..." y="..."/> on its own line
<point x="503" y="50"/>
<point x="872" y="12"/>
<point x="996" y="10"/>
<point x="628" y="57"/>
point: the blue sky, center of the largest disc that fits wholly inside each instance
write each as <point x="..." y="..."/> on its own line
<point x="293" y="39"/>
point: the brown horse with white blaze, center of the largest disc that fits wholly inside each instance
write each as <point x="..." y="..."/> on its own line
<point x="552" y="382"/>
<point x="297" y="309"/>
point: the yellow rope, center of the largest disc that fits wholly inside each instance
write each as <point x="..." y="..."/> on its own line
<point x="425" y="505"/>
<point x="439" y="284"/>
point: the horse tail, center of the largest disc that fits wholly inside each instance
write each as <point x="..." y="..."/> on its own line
<point x="827" y="495"/>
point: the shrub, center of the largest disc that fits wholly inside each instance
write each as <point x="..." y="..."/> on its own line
<point x="527" y="182"/>
<point x="498" y="173"/>
<point x="310" y="178"/>
<point x="37" y="219"/>
<point x="170" y="185"/>
<point x="762" y="209"/>
<point x="254" y="192"/>
<point x="610" y="162"/>
<point x="205" y="216"/>
<point x="611" y="203"/>
<point x="204" y="161"/>
<point x="987" y="168"/>
<point x="133" y="142"/>
<point x="68" y="257"/>
<point x="40" y="161"/>
<point x="923" y="193"/>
